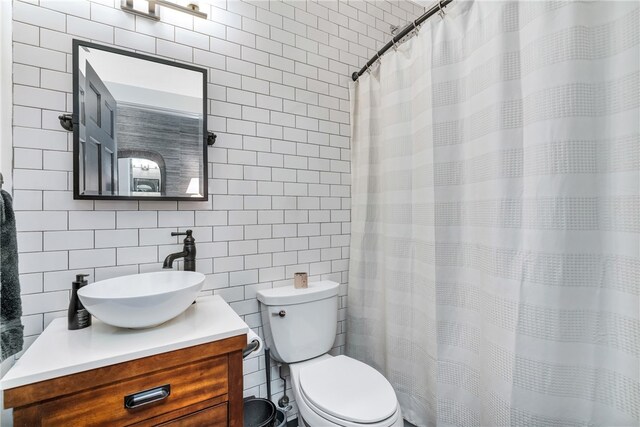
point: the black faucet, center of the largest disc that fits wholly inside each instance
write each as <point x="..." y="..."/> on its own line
<point x="188" y="252"/>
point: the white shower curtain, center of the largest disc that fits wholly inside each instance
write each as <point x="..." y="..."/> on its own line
<point x="495" y="249"/>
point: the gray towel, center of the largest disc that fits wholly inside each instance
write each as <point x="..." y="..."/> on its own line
<point x="11" y="329"/>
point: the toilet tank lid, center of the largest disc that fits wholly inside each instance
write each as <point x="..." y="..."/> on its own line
<point x="287" y="295"/>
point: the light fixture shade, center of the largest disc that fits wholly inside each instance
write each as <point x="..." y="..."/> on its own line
<point x="194" y="187"/>
<point x="137" y="7"/>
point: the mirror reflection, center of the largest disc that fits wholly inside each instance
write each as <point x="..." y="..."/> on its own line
<point x="140" y="130"/>
<point x="145" y="176"/>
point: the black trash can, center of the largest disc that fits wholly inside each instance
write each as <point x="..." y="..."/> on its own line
<point x="259" y="412"/>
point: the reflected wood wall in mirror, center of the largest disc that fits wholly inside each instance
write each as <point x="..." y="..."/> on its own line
<point x="139" y="126"/>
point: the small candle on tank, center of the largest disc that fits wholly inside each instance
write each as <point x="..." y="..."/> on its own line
<point x="300" y="280"/>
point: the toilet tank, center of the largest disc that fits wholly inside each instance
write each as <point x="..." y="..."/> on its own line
<point x="299" y="324"/>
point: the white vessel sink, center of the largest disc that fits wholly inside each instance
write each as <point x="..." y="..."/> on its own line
<point x="142" y="300"/>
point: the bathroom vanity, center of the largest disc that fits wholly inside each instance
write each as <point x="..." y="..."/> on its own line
<point x="186" y="372"/>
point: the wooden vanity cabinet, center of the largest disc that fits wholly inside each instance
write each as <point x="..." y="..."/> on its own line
<point x="194" y="386"/>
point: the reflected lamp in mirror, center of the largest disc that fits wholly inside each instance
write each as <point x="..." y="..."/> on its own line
<point x="194" y="188"/>
<point x="139" y="126"/>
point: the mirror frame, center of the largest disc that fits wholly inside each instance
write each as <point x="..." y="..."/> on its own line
<point x="77" y="44"/>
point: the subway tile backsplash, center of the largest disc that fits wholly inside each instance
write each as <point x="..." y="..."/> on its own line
<point x="279" y="183"/>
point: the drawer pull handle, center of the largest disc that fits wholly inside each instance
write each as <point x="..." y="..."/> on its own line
<point x="145" y="397"/>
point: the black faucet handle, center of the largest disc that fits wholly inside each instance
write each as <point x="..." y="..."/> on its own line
<point x="185" y="233"/>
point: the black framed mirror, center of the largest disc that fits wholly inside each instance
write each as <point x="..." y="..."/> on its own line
<point x="139" y="126"/>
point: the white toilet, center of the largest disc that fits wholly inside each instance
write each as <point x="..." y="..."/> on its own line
<point x="300" y="328"/>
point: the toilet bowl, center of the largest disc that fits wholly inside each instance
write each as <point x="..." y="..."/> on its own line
<point x="341" y="391"/>
<point x="300" y="328"/>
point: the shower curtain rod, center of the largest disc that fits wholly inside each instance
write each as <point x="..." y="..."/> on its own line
<point x="432" y="11"/>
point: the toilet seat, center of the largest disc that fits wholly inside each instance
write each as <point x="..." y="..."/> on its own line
<point x="329" y="420"/>
<point x="329" y="386"/>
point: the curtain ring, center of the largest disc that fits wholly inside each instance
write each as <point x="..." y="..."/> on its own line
<point x="395" y="45"/>
<point x="378" y="60"/>
<point x="441" y="13"/>
<point x="415" y="27"/>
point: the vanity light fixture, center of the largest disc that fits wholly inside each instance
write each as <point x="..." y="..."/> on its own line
<point x="152" y="8"/>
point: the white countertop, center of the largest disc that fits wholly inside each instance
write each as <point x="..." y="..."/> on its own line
<point x="58" y="351"/>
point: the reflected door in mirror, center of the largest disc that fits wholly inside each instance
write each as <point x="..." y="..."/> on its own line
<point x="98" y="145"/>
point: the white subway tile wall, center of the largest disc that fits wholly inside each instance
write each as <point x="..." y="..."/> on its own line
<point x="279" y="172"/>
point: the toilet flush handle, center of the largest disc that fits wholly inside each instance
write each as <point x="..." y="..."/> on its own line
<point x="280" y="313"/>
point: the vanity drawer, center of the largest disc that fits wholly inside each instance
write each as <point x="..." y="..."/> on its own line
<point x="214" y="416"/>
<point x="189" y="384"/>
